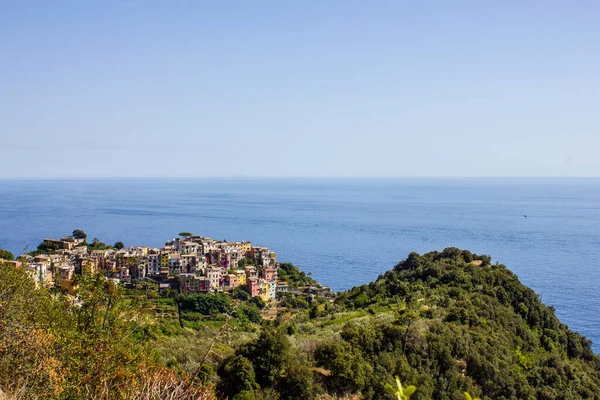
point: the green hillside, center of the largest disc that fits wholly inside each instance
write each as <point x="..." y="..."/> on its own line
<point x="463" y="324"/>
<point x="447" y="322"/>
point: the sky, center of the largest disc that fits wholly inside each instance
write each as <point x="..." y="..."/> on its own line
<point x="115" y="89"/>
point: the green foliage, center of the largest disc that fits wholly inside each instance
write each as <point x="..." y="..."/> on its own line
<point x="293" y="301"/>
<point x="398" y="391"/>
<point x="240" y="293"/>
<point x="97" y="245"/>
<point x="292" y="328"/>
<point x="206" y="304"/>
<point x="258" y="301"/>
<point x="119" y="245"/>
<point x="466" y="326"/>
<point x="245" y="261"/>
<point x="350" y="371"/>
<point x="238" y="376"/>
<point x="270" y="355"/>
<point x="317" y="310"/>
<point x="27" y="335"/>
<point x="47" y="247"/>
<point x="293" y="276"/>
<point x="79" y="234"/>
<point x="6" y="255"/>
<point x="185" y="234"/>
<point x="297" y="383"/>
<point x="245" y="395"/>
<point x="95" y="348"/>
<point x="249" y="312"/>
<point x="449" y="322"/>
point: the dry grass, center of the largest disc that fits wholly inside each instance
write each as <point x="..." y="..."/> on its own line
<point x="17" y="394"/>
<point x="163" y="386"/>
<point x="158" y="385"/>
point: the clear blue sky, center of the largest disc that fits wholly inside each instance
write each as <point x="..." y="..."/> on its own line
<point x="299" y="88"/>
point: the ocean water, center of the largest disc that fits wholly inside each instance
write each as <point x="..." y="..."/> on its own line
<point x="345" y="232"/>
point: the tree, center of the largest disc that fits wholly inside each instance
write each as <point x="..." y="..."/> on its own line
<point x="270" y="355"/>
<point x="98" y="348"/>
<point x="79" y="234"/>
<point x="26" y="337"/>
<point x="206" y="304"/>
<point x="293" y="276"/>
<point x="249" y="312"/>
<point x="350" y="372"/>
<point x="297" y="383"/>
<point x="119" y="245"/>
<point x="244" y="395"/>
<point x="238" y="376"/>
<point x="185" y="234"/>
<point x="6" y="255"/>
<point x="245" y="261"/>
<point x="260" y="303"/>
<point x="240" y="293"/>
<point x="97" y="245"/>
<point x="47" y="247"/>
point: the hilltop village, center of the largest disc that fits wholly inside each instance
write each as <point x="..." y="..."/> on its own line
<point x="191" y="264"/>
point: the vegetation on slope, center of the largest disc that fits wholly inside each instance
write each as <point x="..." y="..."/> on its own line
<point x="447" y="322"/>
<point x="462" y="324"/>
<point x="293" y="276"/>
<point x="94" y="346"/>
<point x="6" y="255"/>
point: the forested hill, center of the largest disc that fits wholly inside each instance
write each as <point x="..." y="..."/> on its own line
<point x="461" y="324"/>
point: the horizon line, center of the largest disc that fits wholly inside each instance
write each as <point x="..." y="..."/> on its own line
<point x="292" y="177"/>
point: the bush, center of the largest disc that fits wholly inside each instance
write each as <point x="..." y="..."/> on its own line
<point x="238" y="378"/>
<point x="206" y="304"/>
<point x="79" y="234"/>
<point x="240" y="293"/>
<point x="270" y="355"/>
<point x="6" y="255"/>
<point x="297" y="383"/>
<point x="249" y="312"/>
<point x="259" y="302"/>
<point x="96" y="349"/>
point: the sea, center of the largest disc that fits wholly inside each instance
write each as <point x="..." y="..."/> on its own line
<point x="344" y="232"/>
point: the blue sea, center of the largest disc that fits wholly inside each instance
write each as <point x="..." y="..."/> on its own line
<point x="346" y="231"/>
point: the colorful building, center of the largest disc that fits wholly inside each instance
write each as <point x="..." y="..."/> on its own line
<point x="241" y="274"/>
<point x="253" y="287"/>
<point x="265" y="290"/>
<point x="231" y="281"/>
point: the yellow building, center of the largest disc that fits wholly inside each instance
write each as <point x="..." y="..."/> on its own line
<point x="241" y="274"/>
<point x="264" y="291"/>
<point x="245" y="248"/>
<point x="164" y="259"/>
